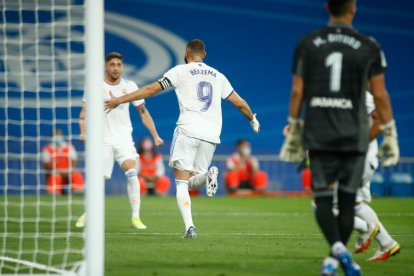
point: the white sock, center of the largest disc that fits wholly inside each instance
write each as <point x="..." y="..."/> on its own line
<point x="133" y="192"/>
<point x="365" y="212"/>
<point x="338" y="248"/>
<point x="184" y="202"/>
<point x="197" y="181"/>
<point x="360" y="225"/>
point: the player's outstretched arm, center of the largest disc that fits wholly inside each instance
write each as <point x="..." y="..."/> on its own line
<point x="143" y="93"/>
<point x="148" y="122"/>
<point x="82" y="123"/>
<point x="244" y="108"/>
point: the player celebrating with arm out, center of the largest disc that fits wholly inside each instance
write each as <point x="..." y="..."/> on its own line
<point x="330" y="73"/>
<point x="118" y="143"/>
<point x="199" y="89"/>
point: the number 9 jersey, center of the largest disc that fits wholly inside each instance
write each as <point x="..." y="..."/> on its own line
<point x="200" y="89"/>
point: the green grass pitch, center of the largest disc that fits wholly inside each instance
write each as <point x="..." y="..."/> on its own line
<point x="239" y="236"/>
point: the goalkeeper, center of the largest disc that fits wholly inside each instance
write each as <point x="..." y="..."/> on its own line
<point x="330" y="72"/>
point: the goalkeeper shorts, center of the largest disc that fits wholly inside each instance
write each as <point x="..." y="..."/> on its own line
<point x="330" y="167"/>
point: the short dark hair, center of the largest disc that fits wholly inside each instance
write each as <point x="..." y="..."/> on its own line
<point x="112" y="55"/>
<point x="56" y="131"/>
<point x="241" y="141"/>
<point x="338" y="7"/>
<point x="196" y="46"/>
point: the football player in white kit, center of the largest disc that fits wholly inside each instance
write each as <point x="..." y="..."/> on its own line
<point x="118" y="143"/>
<point x="366" y="221"/>
<point x="199" y="89"/>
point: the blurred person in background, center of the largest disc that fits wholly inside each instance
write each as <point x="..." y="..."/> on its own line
<point x="151" y="174"/>
<point x="60" y="161"/>
<point x="243" y="170"/>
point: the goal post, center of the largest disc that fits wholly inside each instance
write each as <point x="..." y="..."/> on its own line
<point x="94" y="137"/>
<point x="51" y="56"/>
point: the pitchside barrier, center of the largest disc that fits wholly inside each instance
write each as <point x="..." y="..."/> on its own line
<point x="283" y="177"/>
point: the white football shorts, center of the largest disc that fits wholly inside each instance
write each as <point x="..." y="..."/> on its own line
<point x="119" y="151"/>
<point x="371" y="164"/>
<point x="190" y="154"/>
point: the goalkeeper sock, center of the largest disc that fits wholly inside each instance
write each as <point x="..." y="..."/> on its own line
<point x="326" y="219"/>
<point x="133" y="192"/>
<point x="360" y="225"/>
<point x="346" y="203"/>
<point x="197" y="181"/>
<point x="184" y="202"/>
<point x="368" y="214"/>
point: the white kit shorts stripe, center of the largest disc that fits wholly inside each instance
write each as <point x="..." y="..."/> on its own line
<point x="190" y="154"/>
<point x="119" y="151"/>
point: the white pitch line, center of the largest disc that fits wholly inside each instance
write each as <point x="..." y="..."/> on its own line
<point x="214" y="234"/>
<point x="231" y="234"/>
<point x="265" y="214"/>
<point x="202" y="234"/>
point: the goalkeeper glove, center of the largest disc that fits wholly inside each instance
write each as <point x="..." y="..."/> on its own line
<point x="292" y="149"/>
<point x="389" y="150"/>
<point x="255" y="124"/>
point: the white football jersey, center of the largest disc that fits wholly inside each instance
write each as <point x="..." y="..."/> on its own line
<point x="117" y="123"/>
<point x="369" y="102"/>
<point x="200" y="89"/>
<point x="371" y="156"/>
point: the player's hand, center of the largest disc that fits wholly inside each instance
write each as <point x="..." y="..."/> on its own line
<point x="158" y="142"/>
<point x="112" y="103"/>
<point x="389" y="150"/>
<point x="255" y="124"/>
<point x="82" y="137"/>
<point x="292" y="148"/>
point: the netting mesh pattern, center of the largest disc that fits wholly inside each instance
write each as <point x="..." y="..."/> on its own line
<point x="42" y="76"/>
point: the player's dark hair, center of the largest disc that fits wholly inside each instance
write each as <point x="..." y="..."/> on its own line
<point x="112" y="55"/>
<point x="196" y="46"/>
<point x="56" y="131"/>
<point x="338" y="7"/>
<point x="141" y="148"/>
<point x="241" y="141"/>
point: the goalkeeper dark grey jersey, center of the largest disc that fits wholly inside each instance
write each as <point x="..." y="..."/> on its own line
<point x="335" y="63"/>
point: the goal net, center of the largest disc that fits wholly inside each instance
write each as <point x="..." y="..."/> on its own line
<point x="42" y="79"/>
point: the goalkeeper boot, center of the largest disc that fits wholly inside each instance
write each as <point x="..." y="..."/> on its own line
<point x="384" y="253"/>
<point x="191" y="233"/>
<point x="137" y="223"/>
<point x="80" y="223"/>
<point x="348" y="265"/>
<point x="364" y="239"/>
<point x="212" y="185"/>
<point x="329" y="267"/>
